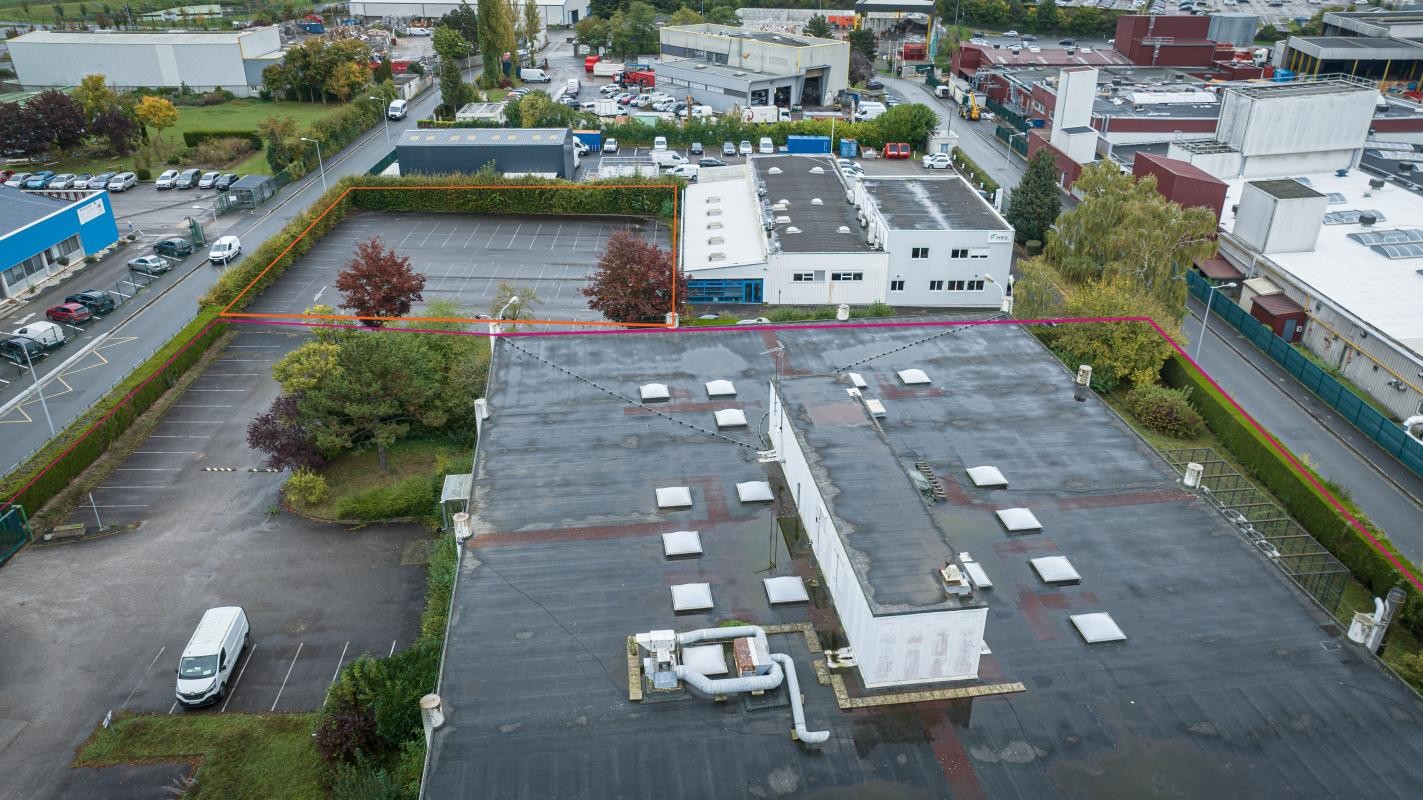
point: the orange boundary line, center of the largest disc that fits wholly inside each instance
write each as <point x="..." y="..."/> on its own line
<point x="228" y="313"/>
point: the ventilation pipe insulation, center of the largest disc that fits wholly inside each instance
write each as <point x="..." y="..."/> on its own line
<point x="782" y="668"/>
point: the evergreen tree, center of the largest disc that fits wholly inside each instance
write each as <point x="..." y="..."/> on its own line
<point x="1036" y="202"/>
<point x="496" y="37"/>
<point x="1046" y="18"/>
<point x="818" y="27"/>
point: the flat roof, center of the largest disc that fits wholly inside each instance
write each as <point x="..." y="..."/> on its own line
<point x="693" y="66"/>
<point x="894" y="544"/>
<point x="932" y="204"/>
<point x="721" y="220"/>
<point x="507" y="137"/>
<point x="1229" y="683"/>
<point x="765" y="37"/>
<point x="1381" y="291"/>
<point x="1176" y="166"/>
<point x="134" y="37"/>
<point x="1285" y="189"/>
<point x="1056" y="56"/>
<point x="1266" y="89"/>
<point x="1360" y="47"/>
<point x="801" y="180"/>
<point x="19" y="208"/>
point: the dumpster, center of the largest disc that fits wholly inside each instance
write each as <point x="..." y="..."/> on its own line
<point x="849" y="148"/>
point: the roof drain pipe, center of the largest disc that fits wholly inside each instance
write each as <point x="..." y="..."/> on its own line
<point x="797" y="711"/>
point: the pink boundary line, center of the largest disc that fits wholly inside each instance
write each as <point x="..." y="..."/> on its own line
<point x="1279" y="448"/>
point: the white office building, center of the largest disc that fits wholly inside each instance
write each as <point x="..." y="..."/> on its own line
<point x="555" y="12"/>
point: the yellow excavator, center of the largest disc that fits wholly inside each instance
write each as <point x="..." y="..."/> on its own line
<point x="970" y="110"/>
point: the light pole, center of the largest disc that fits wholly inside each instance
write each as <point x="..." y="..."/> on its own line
<point x="1205" y="318"/>
<point x="387" y="118"/>
<point x="319" y="163"/>
<point x="213" y="210"/>
<point x="494" y="327"/>
<point x="1006" y="306"/>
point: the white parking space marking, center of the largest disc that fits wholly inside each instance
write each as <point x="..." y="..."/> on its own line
<point x="217" y="390"/>
<point x="392" y="649"/>
<point x="139" y="685"/>
<point x="230" y="692"/>
<point x="339" y="662"/>
<point x="288" y="676"/>
<point x="172" y="707"/>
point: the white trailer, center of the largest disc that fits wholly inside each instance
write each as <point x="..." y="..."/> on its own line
<point x="607" y="69"/>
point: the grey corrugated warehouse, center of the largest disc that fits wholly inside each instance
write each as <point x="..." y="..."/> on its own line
<point x="512" y="151"/>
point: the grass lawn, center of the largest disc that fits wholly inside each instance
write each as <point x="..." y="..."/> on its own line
<point x="238" y="755"/>
<point x="234" y="115"/>
<point x="357" y="472"/>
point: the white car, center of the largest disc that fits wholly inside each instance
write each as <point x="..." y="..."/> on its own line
<point x="419" y="31"/>
<point x="937" y="161"/>
<point x="744" y="148"/>
<point x="1010" y="34"/>
<point x="122" y="182"/>
<point x="225" y="250"/>
<point x="610" y="146"/>
<point x="659" y="143"/>
<point x="167" y="179"/>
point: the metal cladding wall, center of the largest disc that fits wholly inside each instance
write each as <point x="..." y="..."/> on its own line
<point x="202" y="61"/>
<point x="1270" y="124"/>
<point x="1182" y="183"/>
<point x="92" y="219"/>
<point x="420" y="159"/>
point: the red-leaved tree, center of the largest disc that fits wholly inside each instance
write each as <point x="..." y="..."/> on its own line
<point x="280" y="434"/>
<point x="633" y="280"/>
<point x="379" y="283"/>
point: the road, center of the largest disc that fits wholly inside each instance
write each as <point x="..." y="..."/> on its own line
<point x="975" y="138"/>
<point x="71" y="387"/>
<point x="1387" y="492"/>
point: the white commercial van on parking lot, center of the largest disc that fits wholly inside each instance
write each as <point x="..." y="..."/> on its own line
<point x="205" y="670"/>
<point x="47" y="334"/>
<point x="668" y="158"/>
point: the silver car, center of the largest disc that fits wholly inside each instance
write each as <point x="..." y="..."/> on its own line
<point x="100" y="181"/>
<point x="208" y="179"/>
<point x="61" y="181"/>
<point x="167" y="179"/>
<point x="122" y="182"/>
<point x="149" y="265"/>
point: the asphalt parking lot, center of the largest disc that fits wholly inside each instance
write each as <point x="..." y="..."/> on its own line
<point x="464" y="259"/>
<point x="98" y="625"/>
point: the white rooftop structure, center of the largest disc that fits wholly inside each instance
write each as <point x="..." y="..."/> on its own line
<point x="987" y="476"/>
<point x="674" y="497"/>
<point x="1055" y="569"/>
<point x="708" y="659"/>
<point x="682" y="543"/>
<point x="653" y="391"/>
<point x="1019" y="519"/>
<point x="691" y="596"/>
<point x="1098" y="627"/>
<point x="786" y="589"/>
<point x="731" y="418"/>
<point x="721" y="388"/>
<point x="913" y="377"/>
<point x="717" y="212"/>
<point x="754" y="492"/>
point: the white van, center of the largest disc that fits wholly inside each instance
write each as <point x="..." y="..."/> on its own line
<point x="573" y="87"/>
<point x="208" y="661"/>
<point x="686" y="171"/>
<point x="47" y="334"/>
<point x="766" y="146"/>
<point x="397" y="109"/>
<point x="659" y="143"/>
<point x="225" y="250"/>
<point x="530" y="75"/>
<point x="666" y="159"/>
<point x="870" y="110"/>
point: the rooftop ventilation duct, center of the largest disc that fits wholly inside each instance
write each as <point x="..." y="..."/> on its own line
<point x="713" y="199"/>
<point x="713" y="226"/>
<point x="1367" y="220"/>
<point x="781" y="206"/>
<point x="816" y="201"/>
<point x="716" y="240"/>
<point x="774" y="171"/>
<point x="1376" y="183"/>
<point x="843" y="229"/>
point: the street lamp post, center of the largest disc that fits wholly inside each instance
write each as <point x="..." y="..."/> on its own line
<point x="380" y="100"/>
<point x="319" y="162"/>
<point x="494" y="327"/>
<point x="1006" y="306"/>
<point x="1206" y="317"/>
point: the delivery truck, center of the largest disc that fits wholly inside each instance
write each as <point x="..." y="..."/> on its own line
<point x="607" y="69"/>
<point x="765" y="114"/>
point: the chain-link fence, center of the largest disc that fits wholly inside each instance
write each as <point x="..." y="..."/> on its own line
<point x="1264" y="524"/>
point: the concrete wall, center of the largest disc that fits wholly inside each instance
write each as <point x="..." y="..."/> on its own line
<point x="894" y="650"/>
<point x="916" y="273"/>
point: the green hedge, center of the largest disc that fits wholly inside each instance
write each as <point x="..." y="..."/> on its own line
<point x="195" y="138"/>
<point x="636" y="196"/>
<point x="1301" y="499"/>
<point x="975" y="171"/>
<point x="46" y="473"/>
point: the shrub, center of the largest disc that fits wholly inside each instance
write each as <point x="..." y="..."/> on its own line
<point x="305" y="487"/>
<point x="408" y="676"/>
<point x="345" y="727"/>
<point x="365" y="780"/>
<point x="411" y="497"/>
<point x="219" y="152"/>
<point x="439" y="589"/>
<point x="143" y="174"/>
<point x="195" y="138"/>
<point x="1165" y="411"/>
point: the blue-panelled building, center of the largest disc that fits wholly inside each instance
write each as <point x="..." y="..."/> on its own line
<point x="39" y="233"/>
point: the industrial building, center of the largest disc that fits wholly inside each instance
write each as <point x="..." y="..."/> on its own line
<point x="722" y="66"/>
<point x="1185" y="184"/>
<point x="659" y="517"/>
<point x="546" y="152"/>
<point x="812" y="239"/>
<point x="43" y="235"/>
<point x="203" y="61"/>
<point x="1383" y="46"/>
<point x="558" y="13"/>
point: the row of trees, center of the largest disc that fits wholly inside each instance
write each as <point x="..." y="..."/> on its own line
<point x="321" y="69"/>
<point x="55" y="122"/>
<point x="1046" y="17"/>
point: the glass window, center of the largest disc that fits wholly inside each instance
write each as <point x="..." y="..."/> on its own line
<point x="802" y="277"/>
<point x="847" y="276"/>
<point x="919" y="252"/>
<point x="958" y="253"/>
<point x="936" y="286"/>
<point x="896" y="286"/>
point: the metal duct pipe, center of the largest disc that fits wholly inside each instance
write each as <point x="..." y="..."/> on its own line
<point x="752" y="683"/>
<point x="722" y="634"/>
<point x="797" y="711"/>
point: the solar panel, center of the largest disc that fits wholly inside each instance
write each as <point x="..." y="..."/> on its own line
<point x="1399" y="250"/>
<point x="1394" y="236"/>
<point x="1351" y="216"/>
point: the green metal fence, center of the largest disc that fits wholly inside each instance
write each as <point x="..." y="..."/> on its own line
<point x="1006" y="114"/>
<point x="1386" y="433"/>
<point x="1017" y="141"/>
<point x="14" y="531"/>
<point x="382" y="164"/>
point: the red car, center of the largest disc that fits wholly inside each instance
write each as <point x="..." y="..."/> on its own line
<point x="896" y="150"/>
<point x="69" y="312"/>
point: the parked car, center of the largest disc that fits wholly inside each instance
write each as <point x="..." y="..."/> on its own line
<point x="873" y="85"/>
<point x="1028" y="37"/>
<point x="610" y="146"/>
<point x="728" y="148"/>
<point x="685" y="171"/>
<point x="165" y="181"/>
<point x="72" y="313"/>
<point x="1067" y="42"/>
<point x="61" y="181"/>
<point x="149" y="265"/>
<point x="1010" y="34"/>
<point x="766" y="146"/>
<point x="47" y="334"/>
<point x="21" y="351"/>
<point x="937" y="161"/>
<point x="174" y="247"/>
<point x="17" y="180"/>
<point x="695" y="149"/>
<point x="208" y="179"/>
<point x="225" y="181"/>
<point x="122" y="182"/>
<point x="81" y="181"/>
<point x="659" y="143"/>
<point x="187" y="179"/>
<point x="897" y="150"/>
<point x="610" y="90"/>
<point x="710" y="162"/>
<point x="209" y="661"/>
<point x="96" y="301"/>
<point x="744" y="148"/>
<point x="101" y="181"/>
<point x="225" y="250"/>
